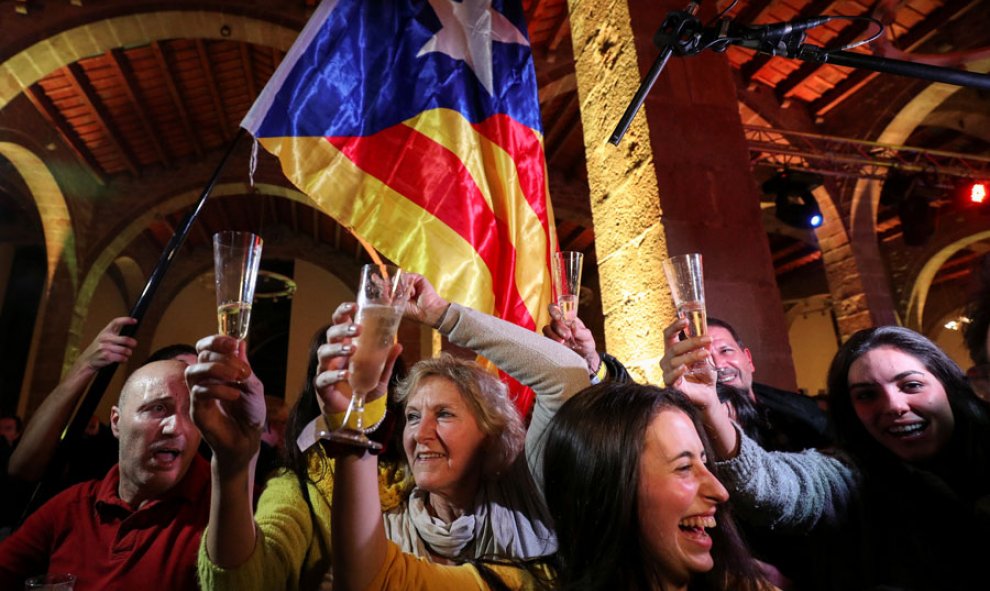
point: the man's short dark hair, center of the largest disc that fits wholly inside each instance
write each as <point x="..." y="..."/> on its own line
<point x="723" y="324"/>
<point x="170" y="352"/>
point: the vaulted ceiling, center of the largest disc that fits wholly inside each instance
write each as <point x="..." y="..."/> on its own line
<point x="163" y="109"/>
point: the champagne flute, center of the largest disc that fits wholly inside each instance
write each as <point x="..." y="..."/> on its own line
<point x="566" y="267"/>
<point x="381" y="299"/>
<point x="236" y="257"/>
<point x="687" y="287"/>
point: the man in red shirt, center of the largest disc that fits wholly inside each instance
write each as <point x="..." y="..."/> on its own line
<point x="140" y="526"/>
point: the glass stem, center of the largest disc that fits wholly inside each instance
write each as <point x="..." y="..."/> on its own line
<point x="358" y="403"/>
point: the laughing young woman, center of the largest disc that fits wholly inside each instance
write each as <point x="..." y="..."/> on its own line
<point x="627" y="481"/>
<point x="913" y="488"/>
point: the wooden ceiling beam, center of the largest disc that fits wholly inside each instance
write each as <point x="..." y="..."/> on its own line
<point x="562" y="32"/>
<point x="118" y="62"/>
<point x="211" y="84"/>
<point x="753" y="66"/>
<point x="248" y="71"/>
<point x="76" y="77"/>
<point x="530" y="13"/>
<point x="570" y="137"/>
<point x="555" y="134"/>
<point x="798" y="76"/>
<point x="910" y="40"/>
<point x="177" y="101"/>
<point x="51" y="114"/>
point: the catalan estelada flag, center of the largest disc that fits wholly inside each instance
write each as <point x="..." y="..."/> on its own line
<point x="416" y="124"/>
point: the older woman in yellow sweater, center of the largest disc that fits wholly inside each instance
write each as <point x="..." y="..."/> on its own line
<point x="477" y="510"/>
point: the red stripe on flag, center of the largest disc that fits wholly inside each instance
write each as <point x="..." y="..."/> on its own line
<point x="526" y="149"/>
<point x="434" y="178"/>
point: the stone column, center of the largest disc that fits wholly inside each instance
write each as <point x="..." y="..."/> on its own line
<point x="629" y="238"/>
<point x="687" y="154"/>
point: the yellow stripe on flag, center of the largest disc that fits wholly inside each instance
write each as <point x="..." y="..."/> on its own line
<point x="403" y="231"/>
<point x="494" y="172"/>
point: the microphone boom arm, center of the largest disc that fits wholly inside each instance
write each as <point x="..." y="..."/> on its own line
<point x="682" y="33"/>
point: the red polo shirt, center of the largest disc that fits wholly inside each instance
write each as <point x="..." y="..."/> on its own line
<point x="90" y="532"/>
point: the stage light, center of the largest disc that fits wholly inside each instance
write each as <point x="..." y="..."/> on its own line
<point x="978" y="192"/>
<point x="795" y="205"/>
<point x="973" y="194"/>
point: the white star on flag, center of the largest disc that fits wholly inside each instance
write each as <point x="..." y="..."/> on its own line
<point x="467" y="31"/>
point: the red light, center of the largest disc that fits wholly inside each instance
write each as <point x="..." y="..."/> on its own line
<point x="978" y="192"/>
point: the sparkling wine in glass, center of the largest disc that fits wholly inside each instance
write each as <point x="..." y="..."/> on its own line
<point x="687" y="288"/>
<point x="236" y="257"/>
<point x="566" y="270"/>
<point x="382" y="296"/>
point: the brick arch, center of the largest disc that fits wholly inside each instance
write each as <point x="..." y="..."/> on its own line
<point x="845" y="279"/>
<point x="63" y="48"/>
<point x="56" y="223"/>
<point x="866" y="199"/>
<point x="127" y="234"/>
<point x="845" y="282"/>
<point x="922" y="278"/>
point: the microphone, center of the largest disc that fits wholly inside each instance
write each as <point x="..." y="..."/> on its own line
<point x="773" y="38"/>
<point x="780" y="29"/>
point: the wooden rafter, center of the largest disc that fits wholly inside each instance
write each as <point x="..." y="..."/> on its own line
<point x="569" y="136"/>
<point x="211" y="84"/>
<point x="177" y="101"/>
<point x="753" y="66"/>
<point x="569" y="114"/>
<point x="931" y="23"/>
<point x="118" y="62"/>
<point x="562" y="32"/>
<point x="795" y="78"/>
<point x="51" y="114"/>
<point x="248" y="71"/>
<point x="530" y="13"/>
<point x="798" y="263"/>
<point x="76" y="78"/>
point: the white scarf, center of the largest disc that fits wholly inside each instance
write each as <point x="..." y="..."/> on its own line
<point x="508" y="521"/>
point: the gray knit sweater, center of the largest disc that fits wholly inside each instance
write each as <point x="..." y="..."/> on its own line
<point x="788" y="490"/>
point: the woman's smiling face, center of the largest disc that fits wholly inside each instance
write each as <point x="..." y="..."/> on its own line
<point x="900" y="403"/>
<point x="677" y="499"/>
<point x="442" y="440"/>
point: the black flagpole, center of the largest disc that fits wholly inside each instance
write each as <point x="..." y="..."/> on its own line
<point x="91" y="400"/>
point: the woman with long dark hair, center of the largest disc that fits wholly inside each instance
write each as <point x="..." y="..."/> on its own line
<point x="910" y="490"/>
<point x="627" y="481"/>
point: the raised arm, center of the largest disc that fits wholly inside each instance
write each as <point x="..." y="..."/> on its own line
<point x="30" y="459"/>
<point x="228" y="406"/>
<point x="678" y="354"/>
<point x="554" y="372"/>
<point x="788" y="489"/>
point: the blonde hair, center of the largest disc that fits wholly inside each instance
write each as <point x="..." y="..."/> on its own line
<point x="488" y="399"/>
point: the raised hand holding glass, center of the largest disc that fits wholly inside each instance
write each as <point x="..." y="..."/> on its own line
<point x="381" y="299"/>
